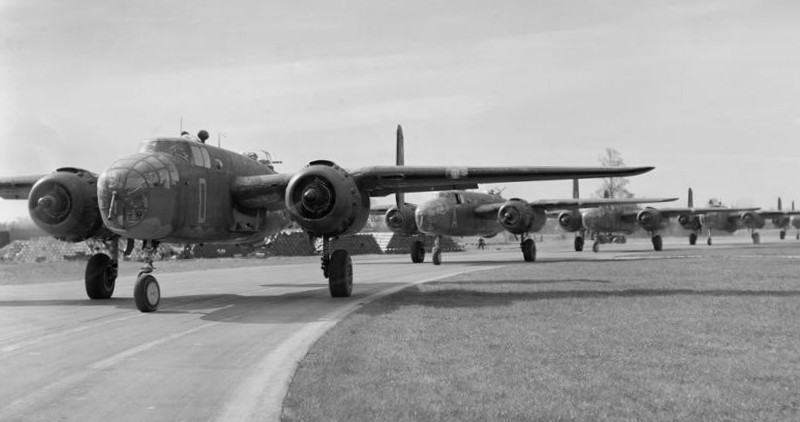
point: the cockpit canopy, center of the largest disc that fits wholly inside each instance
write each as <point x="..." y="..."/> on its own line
<point x="180" y="148"/>
<point x="262" y="157"/>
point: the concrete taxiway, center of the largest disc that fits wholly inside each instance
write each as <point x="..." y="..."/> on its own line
<point x="222" y="346"/>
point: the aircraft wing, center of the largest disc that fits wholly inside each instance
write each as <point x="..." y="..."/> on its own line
<point x="671" y="212"/>
<point x="17" y="187"/>
<point x="777" y="214"/>
<point x="553" y="207"/>
<point x="385" y="180"/>
<point x="269" y="190"/>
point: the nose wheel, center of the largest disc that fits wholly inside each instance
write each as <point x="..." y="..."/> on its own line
<point x="146" y="293"/>
<point x="337" y="267"/>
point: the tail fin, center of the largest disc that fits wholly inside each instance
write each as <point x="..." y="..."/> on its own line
<point x="575" y="191"/>
<point x="400" y="197"/>
<point x="792" y="205"/>
<point x="690" y="200"/>
<point x="780" y="204"/>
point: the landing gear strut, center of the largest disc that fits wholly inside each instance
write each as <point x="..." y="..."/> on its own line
<point x="101" y="271"/>
<point x="146" y="291"/>
<point x="338" y="269"/>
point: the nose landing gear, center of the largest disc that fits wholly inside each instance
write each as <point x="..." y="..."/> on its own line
<point x="146" y="291"/>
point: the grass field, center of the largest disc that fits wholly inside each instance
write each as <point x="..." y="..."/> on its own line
<point x="711" y="337"/>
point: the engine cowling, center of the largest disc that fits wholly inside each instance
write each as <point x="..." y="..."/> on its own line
<point x="518" y="217"/>
<point x="64" y="204"/>
<point x="650" y="219"/>
<point x="324" y="199"/>
<point x="752" y="220"/>
<point x="401" y="220"/>
<point x="570" y="221"/>
<point x="690" y="222"/>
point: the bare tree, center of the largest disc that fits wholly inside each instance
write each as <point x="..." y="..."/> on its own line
<point x="613" y="187"/>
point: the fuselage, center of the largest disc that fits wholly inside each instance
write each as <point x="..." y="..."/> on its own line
<point x="722" y="220"/>
<point x="179" y="190"/>
<point x="452" y="213"/>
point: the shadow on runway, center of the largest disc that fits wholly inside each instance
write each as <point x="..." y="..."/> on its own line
<point x="472" y="298"/>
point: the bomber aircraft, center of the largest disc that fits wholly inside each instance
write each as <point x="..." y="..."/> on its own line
<point x="181" y="190"/>
<point x="719" y="217"/>
<point x="471" y="213"/>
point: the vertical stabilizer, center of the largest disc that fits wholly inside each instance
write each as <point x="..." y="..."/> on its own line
<point x="792" y="205"/>
<point x="690" y="200"/>
<point x="400" y="198"/>
<point x="575" y="189"/>
<point x="780" y="204"/>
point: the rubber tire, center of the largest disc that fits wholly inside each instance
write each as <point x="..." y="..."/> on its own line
<point x="100" y="279"/>
<point x="437" y="256"/>
<point x="596" y="246"/>
<point x="756" y="238"/>
<point x="340" y="269"/>
<point x="417" y="252"/>
<point x="782" y="234"/>
<point x="693" y="238"/>
<point x="579" y="244"/>
<point x="529" y="250"/>
<point x="709" y="241"/>
<point x="658" y="243"/>
<point x="146" y="293"/>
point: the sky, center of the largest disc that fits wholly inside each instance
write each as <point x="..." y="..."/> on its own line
<point x="708" y="92"/>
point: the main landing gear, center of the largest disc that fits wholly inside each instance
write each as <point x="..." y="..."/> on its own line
<point x="782" y="234"/>
<point x="756" y="237"/>
<point x="579" y="242"/>
<point x="338" y="269"/>
<point x="417" y="251"/>
<point x="658" y="243"/>
<point x="693" y="238"/>
<point x="528" y="247"/>
<point x="101" y="271"/>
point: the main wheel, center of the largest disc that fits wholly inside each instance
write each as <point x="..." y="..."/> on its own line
<point x="692" y="238"/>
<point x="596" y="246"/>
<point x="782" y="234"/>
<point x="417" y="251"/>
<point x="340" y="282"/>
<point x="437" y="256"/>
<point x="146" y="293"/>
<point x="529" y="250"/>
<point x="579" y="244"/>
<point x="709" y="241"/>
<point x="756" y="238"/>
<point x="100" y="277"/>
<point x="658" y="244"/>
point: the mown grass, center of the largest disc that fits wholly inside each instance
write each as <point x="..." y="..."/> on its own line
<point x="708" y="338"/>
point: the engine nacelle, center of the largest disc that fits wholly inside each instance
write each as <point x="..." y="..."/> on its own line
<point x="752" y="220"/>
<point x="518" y="217"/>
<point x="690" y="222"/>
<point x="650" y="219"/>
<point x="64" y="204"/>
<point x="324" y="199"/>
<point x="570" y="221"/>
<point x="401" y="220"/>
<point x="796" y="222"/>
<point x="782" y="222"/>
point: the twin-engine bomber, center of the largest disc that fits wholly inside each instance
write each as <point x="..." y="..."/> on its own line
<point x="177" y="189"/>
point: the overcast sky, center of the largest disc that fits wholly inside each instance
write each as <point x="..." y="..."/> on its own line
<point x="706" y="91"/>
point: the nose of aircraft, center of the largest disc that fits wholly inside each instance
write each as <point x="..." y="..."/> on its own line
<point x="125" y="195"/>
<point x="432" y="217"/>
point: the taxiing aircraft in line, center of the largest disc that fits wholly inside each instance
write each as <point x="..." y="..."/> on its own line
<point x="458" y="213"/>
<point x="719" y="217"/>
<point x="610" y="224"/>
<point x="181" y="190"/>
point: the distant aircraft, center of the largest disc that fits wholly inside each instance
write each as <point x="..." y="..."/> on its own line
<point x="469" y="213"/>
<point x="179" y="190"/>
<point x="719" y="217"/>
<point x="610" y="224"/>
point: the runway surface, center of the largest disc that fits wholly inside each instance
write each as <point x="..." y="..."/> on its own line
<point x="223" y="345"/>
